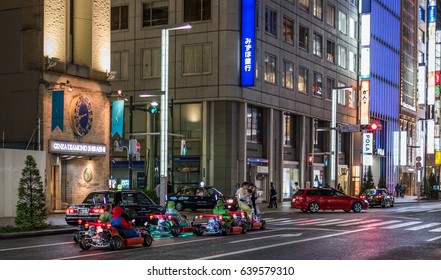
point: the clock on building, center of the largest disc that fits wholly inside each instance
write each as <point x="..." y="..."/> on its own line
<point x="81" y="115"/>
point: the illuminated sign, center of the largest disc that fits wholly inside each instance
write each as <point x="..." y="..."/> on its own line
<point x="430" y="137"/>
<point x="61" y="147"/>
<point x="368" y="143"/>
<point x="248" y="43"/>
<point x="364" y="100"/>
<point x="403" y="148"/>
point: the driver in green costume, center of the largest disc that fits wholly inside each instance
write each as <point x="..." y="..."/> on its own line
<point x="220" y="209"/>
<point x="171" y="210"/>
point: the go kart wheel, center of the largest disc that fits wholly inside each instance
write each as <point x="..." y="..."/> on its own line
<point x="263" y="226"/>
<point x="198" y="230"/>
<point x="226" y="229"/>
<point x="148" y="240"/>
<point x="175" y="230"/>
<point x="179" y="206"/>
<point x="314" y="207"/>
<point x="244" y="229"/>
<point x="116" y="243"/>
<point x="84" y="242"/>
<point x="76" y="236"/>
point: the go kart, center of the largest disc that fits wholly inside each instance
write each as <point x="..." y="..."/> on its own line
<point x="214" y="224"/>
<point x="242" y="219"/>
<point x="101" y="235"/>
<point x="168" y="224"/>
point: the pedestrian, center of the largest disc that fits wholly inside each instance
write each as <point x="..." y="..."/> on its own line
<point x="296" y="187"/>
<point x="253" y="195"/>
<point x="273" y="197"/>
<point x="236" y="187"/>
<point x="397" y="190"/>
<point x="158" y="192"/>
<point x="339" y="187"/>
<point x="402" y="190"/>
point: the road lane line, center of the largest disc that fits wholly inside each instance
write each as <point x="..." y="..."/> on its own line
<point x="358" y="223"/>
<point x="433" y="239"/>
<point x="423" y="226"/>
<point x="435" y="230"/>
<point x="269" y="236"/>
<point x="402" y="225"/>
<point x="339" y="222"/>
<point x="382" y="223"/>
<point x="281" y="244"/>
<point x="35" y="246"/>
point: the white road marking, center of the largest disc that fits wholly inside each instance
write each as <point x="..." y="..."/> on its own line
<point x="402" y="225"/>
<point x="280" y="244"/>
<point x="433" y="239"/>
<point x="424" y="226"/>
<point x="381" y="223"/>
<point x="435" y="230"/>
<point x="339" y="222"/>
<point x="271" y="236"/>
<point x="358" y="223"/>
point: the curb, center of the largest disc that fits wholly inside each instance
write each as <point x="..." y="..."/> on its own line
<point x="44" y="232"/>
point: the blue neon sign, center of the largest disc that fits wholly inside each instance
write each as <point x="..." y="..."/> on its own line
<point x="432" y="14"/>
<point x="248" y="43"/>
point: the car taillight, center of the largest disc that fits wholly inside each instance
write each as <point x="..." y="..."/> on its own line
<point x="378" y="196"/>
<point x="96" y="211"/>
<point x="86" y="225"/>
<point x="362" y="196"/>
<point x="108" y="225"/>
<point x="71" y="211"/>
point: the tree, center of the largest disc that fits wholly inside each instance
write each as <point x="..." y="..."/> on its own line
<point x="382" y="182"/>
<point x="31" y="205"/>
<point x="368" y="180"/>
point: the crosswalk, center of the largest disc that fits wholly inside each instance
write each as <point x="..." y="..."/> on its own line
<point x="369" y="223"/>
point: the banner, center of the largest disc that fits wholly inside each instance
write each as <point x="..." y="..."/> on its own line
<point x="117" y="117"/>
<point x="57" y="109"/>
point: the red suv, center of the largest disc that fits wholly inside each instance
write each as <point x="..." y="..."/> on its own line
<point x="315" y="199"/>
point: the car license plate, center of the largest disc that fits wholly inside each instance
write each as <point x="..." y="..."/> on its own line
<point x="83" y="211"/>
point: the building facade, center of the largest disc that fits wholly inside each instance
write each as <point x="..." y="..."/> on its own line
<point x="55" y="62"/>
<point x="257" y="129"/>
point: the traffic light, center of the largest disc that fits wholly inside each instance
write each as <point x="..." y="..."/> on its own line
<point x="154" y="108"/>
<point x="310" y="159"/>
<point x="371" y="127"/>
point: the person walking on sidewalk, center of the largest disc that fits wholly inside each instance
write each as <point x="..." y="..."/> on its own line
<point x="397" y="190"/>
<point x="273" y="197"/>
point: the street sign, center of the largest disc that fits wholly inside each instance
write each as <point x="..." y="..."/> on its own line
<point x="349" y="128"/>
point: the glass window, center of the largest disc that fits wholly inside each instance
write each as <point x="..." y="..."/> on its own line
<point x="119" y="18"/>
<point x="254" y="124"/>
<point x="288" y="129"/>
<point x="151" y="63"/>
<point x="330" y="51"/>
<point x="154" y="13"/>
<point x="421" y="59"/>
<point x="421" y="36"/>
<point x="197" y="10"/>
<point x="352" y="98"/>
<point x="341" y="94"/>
<point x="317" y="48"/>
<point x="304" y="4"/>
<point x="330" y="84"/>
<point x="120" y="64"/>
<point x="302" y="83"/>
<point x="271" y="21"/>
<point x="197" y="59"/>
<point x="352" y="63"/>
<point x="342" y="22"/>
<point x="270" y="68"/>
<point x="318" y="9"/>
<point x="342" y="57"/>
<point x="288" y="30"/>
<point x="352" y="28"/>
<point x="330" y="15"/>
<point x="303" y="37"/>
<point x="317" y="87"/>
<point x="288" y="75"/>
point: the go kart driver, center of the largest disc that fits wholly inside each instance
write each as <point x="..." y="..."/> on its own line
<point x="119" y="222"/>
<point x="171" y="210"/>
<point x="243" y="199"/>
<point x="220" y="209"/>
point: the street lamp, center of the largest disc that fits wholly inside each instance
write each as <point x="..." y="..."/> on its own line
<point x="164" y="107"/>
<point x="334" y="149"/>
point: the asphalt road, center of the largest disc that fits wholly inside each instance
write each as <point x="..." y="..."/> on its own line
<point x="404" y="232"/>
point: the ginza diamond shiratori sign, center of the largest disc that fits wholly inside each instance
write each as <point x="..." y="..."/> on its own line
<point x="63" y="147"/>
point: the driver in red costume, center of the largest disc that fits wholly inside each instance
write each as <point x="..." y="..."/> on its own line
<point x="119" y="222"/>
